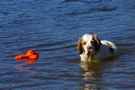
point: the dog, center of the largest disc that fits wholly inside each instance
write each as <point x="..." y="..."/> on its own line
<point x="91" y="48"/>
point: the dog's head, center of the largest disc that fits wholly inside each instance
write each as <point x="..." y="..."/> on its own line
<point x="88" y="44"/>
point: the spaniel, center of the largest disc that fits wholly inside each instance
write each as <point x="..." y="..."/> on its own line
<point x="91" y="48"/>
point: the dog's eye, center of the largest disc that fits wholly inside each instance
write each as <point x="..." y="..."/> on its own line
<point x="84" y="43"/>
<point x="92" y="41"/>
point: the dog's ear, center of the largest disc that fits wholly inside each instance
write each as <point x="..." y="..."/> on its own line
<point x="79" y="46"/>
<point x="97" y="42"/>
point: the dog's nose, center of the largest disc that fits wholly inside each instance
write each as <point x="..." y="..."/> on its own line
<point x="89" y="47"/>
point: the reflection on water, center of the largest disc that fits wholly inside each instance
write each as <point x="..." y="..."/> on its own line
<point x="92" y="72"/>
<point x="26" y="65"/>
<point x="28" y="61"/>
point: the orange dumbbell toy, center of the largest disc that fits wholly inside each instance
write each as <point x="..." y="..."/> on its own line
<point x="30" y="55"/>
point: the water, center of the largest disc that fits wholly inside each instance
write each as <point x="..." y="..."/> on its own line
<point x="52" y="28"/>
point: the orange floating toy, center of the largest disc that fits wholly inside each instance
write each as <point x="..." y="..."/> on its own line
<point x="30" y="55"/>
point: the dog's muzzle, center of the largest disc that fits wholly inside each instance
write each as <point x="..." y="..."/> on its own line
<point x="89" y="50"/>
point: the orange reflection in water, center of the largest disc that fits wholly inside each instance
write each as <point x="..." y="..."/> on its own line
<point x="26" y="65"/>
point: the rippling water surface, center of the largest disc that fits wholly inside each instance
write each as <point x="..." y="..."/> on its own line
<point x="52" y="28"/>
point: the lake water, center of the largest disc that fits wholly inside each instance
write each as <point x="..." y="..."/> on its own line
<point x="52" y="28"/>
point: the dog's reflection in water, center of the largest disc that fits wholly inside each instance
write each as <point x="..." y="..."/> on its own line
<point x="93" y="71"/>
<point x="90" y="70"/>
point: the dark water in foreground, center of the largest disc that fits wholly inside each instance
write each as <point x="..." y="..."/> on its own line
<point x="52" y="27"/>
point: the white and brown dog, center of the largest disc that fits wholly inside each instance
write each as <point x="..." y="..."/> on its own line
<point x="91" y="48"/>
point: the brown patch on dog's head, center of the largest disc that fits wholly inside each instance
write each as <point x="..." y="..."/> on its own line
<point x="110" y="48"/>
<point x="96" y="42"/>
